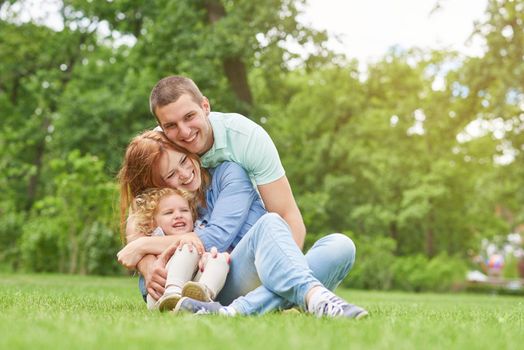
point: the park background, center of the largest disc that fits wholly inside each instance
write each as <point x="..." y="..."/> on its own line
<point x="418" y="155"/>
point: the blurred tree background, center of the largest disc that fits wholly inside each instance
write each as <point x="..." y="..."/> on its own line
<point x="418" y="158"/>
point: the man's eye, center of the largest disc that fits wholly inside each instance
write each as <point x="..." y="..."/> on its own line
<point x="189" y="116"/>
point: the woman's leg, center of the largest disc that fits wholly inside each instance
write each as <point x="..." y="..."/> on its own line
<point x="330" y="260"/>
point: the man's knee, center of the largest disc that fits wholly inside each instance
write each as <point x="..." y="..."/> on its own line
<point x="342" y="250"/>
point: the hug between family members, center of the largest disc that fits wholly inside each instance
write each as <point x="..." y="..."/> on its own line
<point x="203" y="237"/>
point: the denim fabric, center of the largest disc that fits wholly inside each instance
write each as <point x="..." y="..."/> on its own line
<point x="285" y="272"/>
<point x="233" y="207"/>
<point x="268" y="255"/>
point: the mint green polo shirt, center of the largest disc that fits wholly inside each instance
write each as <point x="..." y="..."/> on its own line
<point x="240" y="140"/>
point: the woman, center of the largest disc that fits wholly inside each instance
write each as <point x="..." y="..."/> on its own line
<point x="268" y="271"/>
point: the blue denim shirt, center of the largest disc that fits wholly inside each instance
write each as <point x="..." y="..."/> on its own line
<point x="233" y="207"/>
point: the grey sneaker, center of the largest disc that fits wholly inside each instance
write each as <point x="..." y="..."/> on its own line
<point x="334" y="306"/>
<point x="197" y="307"/>
<point x="168" y="301"/>
<point x="197" y="291"/>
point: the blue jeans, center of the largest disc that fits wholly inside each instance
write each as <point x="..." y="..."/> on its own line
<point x="269" y="272"/>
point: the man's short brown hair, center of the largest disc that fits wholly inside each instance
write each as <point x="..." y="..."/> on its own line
<point x="170" y="89"/>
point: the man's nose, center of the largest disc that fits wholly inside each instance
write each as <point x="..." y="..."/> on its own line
<point x="184" y="130"/>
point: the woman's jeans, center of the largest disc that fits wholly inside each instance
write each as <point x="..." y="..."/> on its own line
<point x="269" y="272"/>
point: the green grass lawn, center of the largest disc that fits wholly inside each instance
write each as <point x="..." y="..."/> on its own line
<point x="76" y="312"/>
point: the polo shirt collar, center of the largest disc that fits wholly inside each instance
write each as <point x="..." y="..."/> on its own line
<point x="219" y="131"/>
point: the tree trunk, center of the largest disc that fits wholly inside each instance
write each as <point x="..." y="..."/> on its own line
<point x="393" y="232"/>
<point x="234" y="67"/>
<point x="38" y="161"/>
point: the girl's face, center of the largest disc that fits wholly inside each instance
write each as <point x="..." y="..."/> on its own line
<point x="173" y="215"/>
<point x="179" y="171"/>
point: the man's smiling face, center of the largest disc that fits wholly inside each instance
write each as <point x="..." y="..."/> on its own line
<point x="186" y="123"/>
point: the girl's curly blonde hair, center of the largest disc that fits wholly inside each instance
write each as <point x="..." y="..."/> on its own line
<point x="145" y="205"/>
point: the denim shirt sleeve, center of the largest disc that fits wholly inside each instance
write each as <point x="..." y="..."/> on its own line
<point x="233" y="194"/>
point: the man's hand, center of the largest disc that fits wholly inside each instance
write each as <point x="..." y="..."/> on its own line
<point x="156" y="273"/>
<point x="155" y="278"/>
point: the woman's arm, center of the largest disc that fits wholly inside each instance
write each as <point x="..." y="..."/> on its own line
<point x="134" y="251"/>
<point x="229" y="212"/>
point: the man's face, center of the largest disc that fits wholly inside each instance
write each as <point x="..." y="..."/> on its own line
<point x="186" y="123"/>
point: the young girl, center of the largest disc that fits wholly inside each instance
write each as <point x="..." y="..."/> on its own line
<point x="167" y="211"/>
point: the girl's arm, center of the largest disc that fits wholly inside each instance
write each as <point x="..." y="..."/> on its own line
<point x="231" y="208"/>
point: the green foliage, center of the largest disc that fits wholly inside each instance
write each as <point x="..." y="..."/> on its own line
<point x="11" y="225"/>
<point x="70" y="231"/>
<point x="418" y="273"/>
<point x="386" y="154"/>
<point x="376" y="267"/>
<point x="373" y="266"/>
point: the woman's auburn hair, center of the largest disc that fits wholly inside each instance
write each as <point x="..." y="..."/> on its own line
<point x="139" y="170"/>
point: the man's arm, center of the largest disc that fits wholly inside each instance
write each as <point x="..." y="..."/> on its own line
<point x="278" y="198"/>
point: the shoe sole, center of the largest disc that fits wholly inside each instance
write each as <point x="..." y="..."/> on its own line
<point x="195" y="291"/>
<point x="169" y="303"/>
<point x="362" y="315"/>
<point x="177" y="310"/>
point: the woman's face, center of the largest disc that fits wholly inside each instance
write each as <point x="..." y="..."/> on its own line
<point x="179" y="171"/>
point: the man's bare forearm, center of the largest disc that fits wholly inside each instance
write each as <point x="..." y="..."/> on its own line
<point x="295" y="222"/>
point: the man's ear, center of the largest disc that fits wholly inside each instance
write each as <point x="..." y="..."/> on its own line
<point x="206" y="106"/>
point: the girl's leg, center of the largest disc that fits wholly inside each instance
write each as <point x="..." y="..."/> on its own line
<point x="180" y="269"/>
<point x="209" y="283"/>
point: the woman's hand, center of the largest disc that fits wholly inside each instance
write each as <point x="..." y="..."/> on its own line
<point x="193" y="242"/>
<point x="212" y="254"/>
<point x="131" y="254"/>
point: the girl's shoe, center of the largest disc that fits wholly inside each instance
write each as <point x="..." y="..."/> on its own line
<point x="197" y="291"/>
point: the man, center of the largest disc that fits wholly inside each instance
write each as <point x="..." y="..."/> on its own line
<point x="185" y="116"/>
